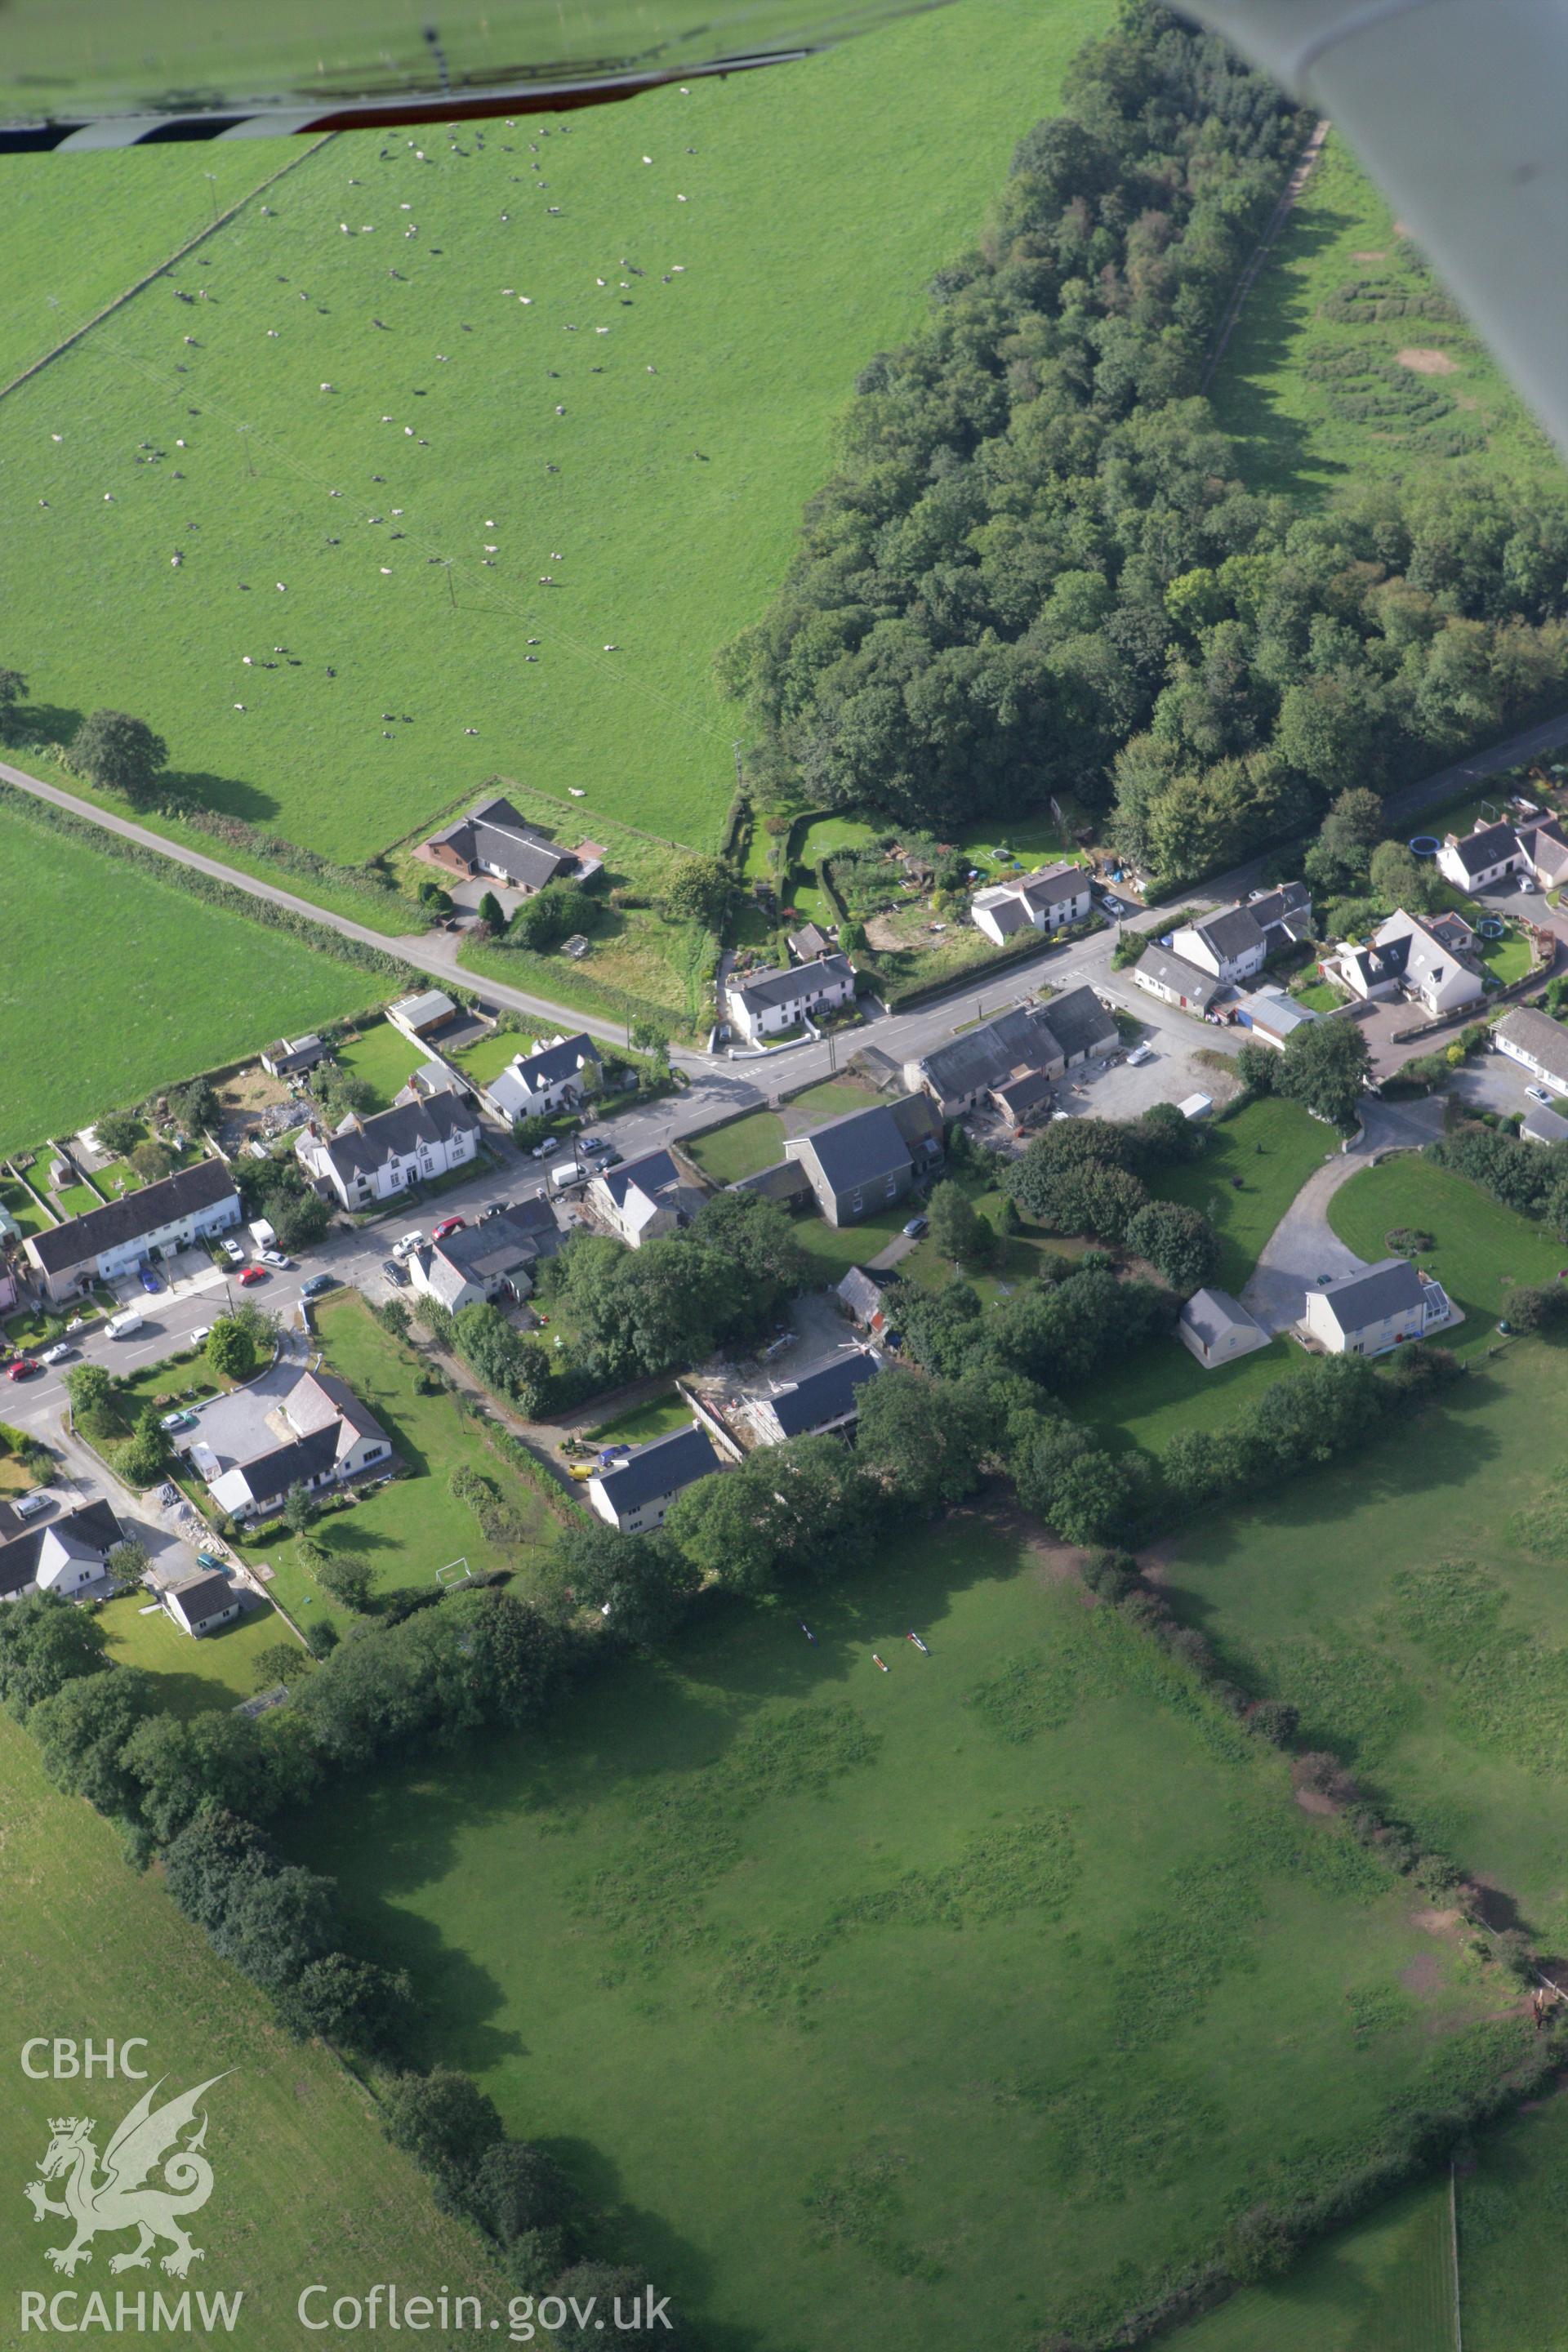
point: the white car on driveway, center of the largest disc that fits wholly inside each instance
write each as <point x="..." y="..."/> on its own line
<point x="1539" y="1095"/>
<point x="407" y="1245"/>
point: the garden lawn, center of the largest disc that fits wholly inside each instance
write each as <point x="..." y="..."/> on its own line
<point x="727" y="1153"/>
<point x="1152" y="1395"/>
<point x="488" y="1057"/>
<point x="832" y="1250"/>
<point x="306" y="2186"/>
<point x="384" y="1057"/>
<point x="906" y="1918"/>
<point x="833" y="1097"/>
<point x="1273" y="1146"/>
<point x="655" y="1417"/>
<point x="30" y="1216"/>
<point x="1018" y="1258"/>
<point x="1321" y="997"/>
<point x="1513" y="2256"/>
<point x="409" y="1529"/>
<point x="1313" y="387"/>
<point x="711" y="403"/>
<point x="1480" y="1247"/>
<point x="114" y="983"/>
<point x="216" y="1671"/>
<point x="1507" y="960"/>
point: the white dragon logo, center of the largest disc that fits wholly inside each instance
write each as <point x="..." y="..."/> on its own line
<point x="120" y="2199"/>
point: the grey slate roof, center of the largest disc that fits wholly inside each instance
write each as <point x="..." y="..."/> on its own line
<point x="652" y="1174"/>
<point x="1024" y="1093"/>
<point x="296" y="1464"/>
<point x="855" y="1149"/>
<point x="786" y="1181"/>
<point x="135" y="1214"/>
<point x="552" y="1062"/>
<point x="1210" y="1314"/>
<point x="809" y="943"/>
<point x="1489" y="846"/>
<point x="825" y="1394"/>
<point x="399" y="1131"/>
<point x="1079" y="1022"/>
<point x="1199" y="988"/>
<point x="498" y="834"/>
<point x="660" y="1468"/>
<point x="1543" y="1126"/>
<point x="93" y="1528"/>
<point x="981" y="1057"/>
<point x="484" y="1252"/>
<point x="1275" y="906"/>
<point x="765" y="990"/>
<point x="203" y="1596"/>
<point x="1231" y="933"/>
<point x="1536" y="1033"/>
<point x="1384" y="1289"/>
<point x="861" y="1293"/>
<point x="1010" y="915"/>
<point x="1049" y="885"/>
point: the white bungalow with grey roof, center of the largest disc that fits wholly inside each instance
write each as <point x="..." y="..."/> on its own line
<point x="768" y="1001"/>
<point x="1273" y="1017"/>
<point x="496" y="841"/>
<point x="634" y="1493"/>
<point x="320" y="1434"/>
<point x="1540" y="1124"/>
<point x="1046" y="900"/>
<point x="70" y="1556"/>
<point x="549" y="1078"/>
<point x="1173" y="981"/>
<point x="369" y="1160"/>
<point x="1217" y="1328"/>
<point x="655" y="1195"/>
<point x="1367" y="1314"/>
<point x="1473" y="861"/>
<point x="1537" y="1042"/>
<point x="200" y="1604"/>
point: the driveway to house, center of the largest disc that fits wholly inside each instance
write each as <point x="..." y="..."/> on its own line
<point x="1303" y="1249"/>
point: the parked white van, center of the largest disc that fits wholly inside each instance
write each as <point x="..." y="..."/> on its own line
<point x="121" y="1326"/>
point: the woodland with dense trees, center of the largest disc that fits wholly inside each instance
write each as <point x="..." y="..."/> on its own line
<point x="1037" y="569"/>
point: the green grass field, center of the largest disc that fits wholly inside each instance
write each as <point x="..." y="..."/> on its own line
<point x="408" y="1530"/>
<point x="488" y="1057"/>
<point x="306" y="2188"/>
<point x="218" y="1670"/>
<point x="669" y="519"/>
<point x="1271" y="1146"/>
<point x="743" y="1146"/>
<point x="384" y="1057"/>
<point x="1384" y="2286"/>
<point x="114" y="983"/>
<point x="1317" y="391"/>
<point x="1480" y="1247"/>
<point x="655" y="1417"/>
<point x="1513" y="2256"/>
<point x="951" y="2005"/>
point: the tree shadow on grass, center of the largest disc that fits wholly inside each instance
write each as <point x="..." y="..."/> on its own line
<point x="43" y="726"/>
<point x="198" y="790"/>
<point x="1275" y="450"/>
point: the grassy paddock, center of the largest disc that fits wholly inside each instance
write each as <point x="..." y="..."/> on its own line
<point x="114" y="983"/>
<point x="755" y="358"/>
<point x="740" y="1149"/>
<point x="907" y="1918"/>
<point x="218" y="1670"/>
<point x="306" y="2186"/>
<point x="1480" y="1247"/>
<point x="1314" y="389"/>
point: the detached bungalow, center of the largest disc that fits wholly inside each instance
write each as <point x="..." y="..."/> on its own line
<point x="772" y="1000"/>
<point x="200" y="1604"/>
<point x="1537" y="1042"/>
<point x="494" y="840"/>
<point x="367" y="1159"/>
<point x="1493" y="852"/>
<point x="1367" y="1313"/>
<point x="326" y="1436"/>
<point x="156" y="1222"/>
<point x="1217" y="1328"/>
<point x="635" y="1494"/>
<point x="1047" y="900"/>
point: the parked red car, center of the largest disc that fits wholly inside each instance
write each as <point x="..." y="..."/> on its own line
<point x="23" y="1369"/>
<point x="447" y="1225"/>
<point x="249" y="1273"/>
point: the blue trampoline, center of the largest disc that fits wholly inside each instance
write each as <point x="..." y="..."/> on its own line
<point x="1424" y="844"/>
<point x="1488" y="927"/>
